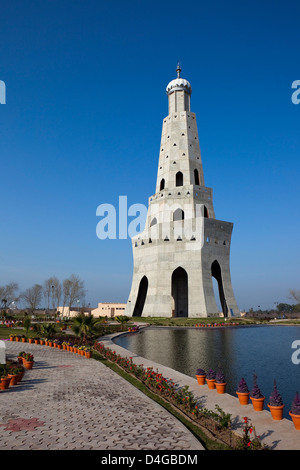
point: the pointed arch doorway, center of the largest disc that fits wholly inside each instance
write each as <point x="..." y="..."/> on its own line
<point x="217" y="274"/>
<point x="141" y="298"/>
<point x="179" y="293"/>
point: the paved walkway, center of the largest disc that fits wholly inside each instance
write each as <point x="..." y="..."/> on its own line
<point x="277" y="435"/>
<point x="69" y="402"/>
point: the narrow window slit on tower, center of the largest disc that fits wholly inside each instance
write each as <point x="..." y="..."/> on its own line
<point x="179" y="179"/>
<point x="196" y="177"/>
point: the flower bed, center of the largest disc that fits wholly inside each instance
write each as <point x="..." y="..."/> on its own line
<point x="216" y="425"/>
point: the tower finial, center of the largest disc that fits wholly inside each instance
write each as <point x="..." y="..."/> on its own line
<point x="178" y="70"/>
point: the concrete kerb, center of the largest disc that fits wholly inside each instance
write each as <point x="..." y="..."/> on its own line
<point x="277" y="435"/>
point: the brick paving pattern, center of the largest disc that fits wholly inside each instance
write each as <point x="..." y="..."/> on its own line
<point x="69" y="402"/>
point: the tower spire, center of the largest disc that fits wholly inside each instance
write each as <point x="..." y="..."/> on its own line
<point x="178" y="70"/>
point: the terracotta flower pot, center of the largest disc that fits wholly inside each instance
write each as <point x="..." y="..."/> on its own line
<point x="13" y="379"/>
<point x="88" y="354"/>
<point x="17" y="338"/>
<point x="23" y="340"/>
<point x="258" y="403"/>
<point x="37" y="341"/>
<point x="201" y="379"/>
<point x="243" y="397"/>
<point x="221" y="387"/>
<point x="28" y="364"/>
<point x="30" y="340"/>
<point x="276" y="411"/>
<point x="4" y="383"/>
<point x="50" y="344"/>
<point x="42" y="341"/>
<point x="296" y="420"/>
<point x="20" y="376"/>
<point x="211" y="383"/>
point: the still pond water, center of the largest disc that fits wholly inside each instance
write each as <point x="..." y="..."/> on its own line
<point x="265" y="350"/>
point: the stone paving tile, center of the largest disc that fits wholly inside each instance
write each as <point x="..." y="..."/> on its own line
<point x="70" y="402"/>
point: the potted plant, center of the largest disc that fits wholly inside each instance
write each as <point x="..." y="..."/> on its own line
<point x="200" y="375"/>
<point x="21" y="357"/>
<point x="28" y="361"/>
<point x="211" y="379"/>
<point x="295" y="411"/>
<point x="88" y="352"/>
<point x="256" y="396"/>
<point x="13" y="374"/>
<point x="4" y="380"/>
<point x="220" y="381"/>
<point x="276" y="404"/>
<point x="243" y="392"/>
<point x="37" y="340"/>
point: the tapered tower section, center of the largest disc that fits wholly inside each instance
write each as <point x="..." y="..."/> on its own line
<point x="183" y="246"/>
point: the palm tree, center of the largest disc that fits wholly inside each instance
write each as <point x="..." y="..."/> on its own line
<point x="83" y="325"/>
<point x="48" y="330"/>
<point x="27" y="324"/>
<point x="123" y="319"/>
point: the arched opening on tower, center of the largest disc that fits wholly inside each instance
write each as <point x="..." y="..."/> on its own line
<point x="217" y="274"/>
<point x="162" y="185"/>
<point x="196" y="177"/>
<point x="179" y="179"/>
<point x="178" y="215"/>
<point x="205" y="212"/>
<point x="179" y="293"/>
<point x="141" y="298"/>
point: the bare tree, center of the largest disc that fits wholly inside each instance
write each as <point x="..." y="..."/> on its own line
<point x="33" y="296"/>
<point x="295" y="294"/>
<point x="56" y="292"/>
<point x="52" y="292"/>
<point x="73" y="289"/>
<point x="8" y="294"/>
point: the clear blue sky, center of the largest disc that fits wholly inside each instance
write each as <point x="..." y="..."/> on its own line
<point x="82" y="125"/>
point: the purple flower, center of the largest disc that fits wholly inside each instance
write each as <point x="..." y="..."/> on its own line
<point x="220" y="378"/>
<point x="242" y="386"/>
<point x="200" y="372"/>
<point x="275" y="398"/>
<point x="211" y="374"/>
<point x="256" y="392"/>
<point x="296" y="405"/>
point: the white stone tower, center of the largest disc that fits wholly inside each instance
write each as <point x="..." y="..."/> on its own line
<point x="183" y="246"/>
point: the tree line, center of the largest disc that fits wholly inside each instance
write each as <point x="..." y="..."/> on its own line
<point x="51" y="294"/>
<point x="282" y="309"/>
